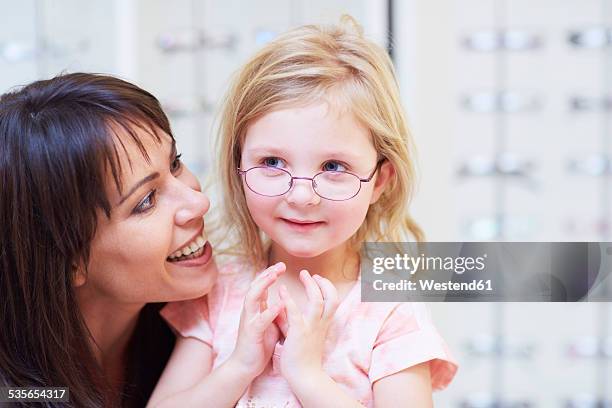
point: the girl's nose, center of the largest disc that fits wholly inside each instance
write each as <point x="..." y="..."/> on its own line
<point x="194" y="204"/>
<point x="302" y="193"/>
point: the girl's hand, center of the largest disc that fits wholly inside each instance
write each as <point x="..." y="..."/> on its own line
<point x="305" y="333"/>
<point x="257" y="335"/>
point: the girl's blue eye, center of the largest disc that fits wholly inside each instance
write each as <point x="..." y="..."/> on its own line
<point x="273" y="162"/>
<point x="333" y="166"/>
<point x="146" y="204"/>
<point x="176" y="164"/>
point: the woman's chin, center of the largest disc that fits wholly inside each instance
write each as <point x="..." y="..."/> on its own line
<point x="191" y="286"/>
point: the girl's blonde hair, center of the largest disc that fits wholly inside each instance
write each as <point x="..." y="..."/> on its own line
<point x="307" y="64"/>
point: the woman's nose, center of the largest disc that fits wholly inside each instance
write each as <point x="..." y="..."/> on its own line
<point x="302" y="193"/>
<point x="194" y="204"/>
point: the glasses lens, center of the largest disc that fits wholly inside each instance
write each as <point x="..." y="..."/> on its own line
<point x="336" y="185"/>
<point x="268" y="181"/>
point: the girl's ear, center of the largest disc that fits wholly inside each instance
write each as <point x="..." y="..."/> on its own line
<point x="383" y="176"/>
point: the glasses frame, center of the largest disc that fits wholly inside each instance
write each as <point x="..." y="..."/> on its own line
<point x="361" y="180"/>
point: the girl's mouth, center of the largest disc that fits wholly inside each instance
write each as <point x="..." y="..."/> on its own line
<point x="301" y="225"/>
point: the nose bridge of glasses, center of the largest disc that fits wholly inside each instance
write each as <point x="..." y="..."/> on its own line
<point x="301" y="178"/>
<point x="311" y="179"/>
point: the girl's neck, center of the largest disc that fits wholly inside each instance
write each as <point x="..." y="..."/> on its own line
<point x="111" y="326"/>
<point x="339" y="265"/>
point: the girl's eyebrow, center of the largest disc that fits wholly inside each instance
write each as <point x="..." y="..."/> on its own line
<point x="326" y="154"/>
<point x="267" y="150"/>
<point x="341" y="154"/>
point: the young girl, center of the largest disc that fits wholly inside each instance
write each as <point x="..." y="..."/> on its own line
<point x="315" y="160"/>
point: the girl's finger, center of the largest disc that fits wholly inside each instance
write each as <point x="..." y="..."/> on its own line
<point x="281" y="321"/>
<point x="258" y="290"/>
<point x="294" y="316"/>
<point x="314" y="310"/>
<point x="263" y="302"/>
<point x="267" y="317"/>
<point x="275" y="269"/>
<point x="330" y="296"/>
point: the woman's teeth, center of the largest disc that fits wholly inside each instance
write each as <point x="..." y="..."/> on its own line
<point x="190" y="250"/>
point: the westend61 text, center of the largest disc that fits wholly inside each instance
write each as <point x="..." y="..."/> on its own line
<point x="432" y="285"/>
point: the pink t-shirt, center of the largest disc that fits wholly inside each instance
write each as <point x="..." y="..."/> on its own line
<point x="365" y="342"/>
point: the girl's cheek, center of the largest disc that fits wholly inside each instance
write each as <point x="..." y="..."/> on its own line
<point x="260" y="213"/>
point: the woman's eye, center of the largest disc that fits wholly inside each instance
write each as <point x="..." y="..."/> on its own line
<point x="176" y="164"/>
<point x="273" y="162"/>
<point x="333" y="166"/>
<point x="146" y="204"/>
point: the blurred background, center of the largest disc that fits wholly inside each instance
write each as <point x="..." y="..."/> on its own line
<point x="509" y="103"/>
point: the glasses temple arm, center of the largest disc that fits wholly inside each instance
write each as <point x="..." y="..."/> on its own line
<point x="365" y="180"/>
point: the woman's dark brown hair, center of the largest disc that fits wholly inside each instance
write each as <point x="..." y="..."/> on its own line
<point x="58" y="143"/>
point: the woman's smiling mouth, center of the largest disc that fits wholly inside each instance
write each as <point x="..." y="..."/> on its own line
<point x="195" y="253"/>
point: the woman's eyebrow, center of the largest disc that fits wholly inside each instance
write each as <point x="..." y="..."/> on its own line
<point x="150" y="177"/>
<point x="136" y="186"/>
<point x="173" y="150"/>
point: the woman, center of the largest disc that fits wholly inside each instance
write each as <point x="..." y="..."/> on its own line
<point x="101" y="224"/>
